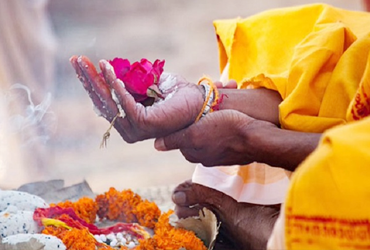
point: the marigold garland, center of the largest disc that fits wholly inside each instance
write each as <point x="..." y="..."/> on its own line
<point x="74" y="239"/>
<point x="125" y="206"/>
<point x="86" y="208"/>
<point x="115" y="205"/>
<point x="167" y="236"/>
<point x="147" y="213"/>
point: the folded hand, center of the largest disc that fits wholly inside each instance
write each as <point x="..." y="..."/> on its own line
<point x="219" y="138"/>
<point x="181" y="103"/>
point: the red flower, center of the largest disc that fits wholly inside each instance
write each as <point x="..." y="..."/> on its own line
<point x="140" y="78"/>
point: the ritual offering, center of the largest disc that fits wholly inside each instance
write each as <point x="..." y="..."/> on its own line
<point x="141" y="78"/>
<point x="112" y="220"/>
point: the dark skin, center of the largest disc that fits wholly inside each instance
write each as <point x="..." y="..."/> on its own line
<point x="244" y="130"/>
<point x="243" y="225"/>
<point x="242" y="142"/>
<point x="140" y="122"/>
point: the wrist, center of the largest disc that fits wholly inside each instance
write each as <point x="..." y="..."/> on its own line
<point x="278" y="147"/>
<point x="197" y="102"/>
<point x="256" y="135"/>
<point x="211" y="97"/>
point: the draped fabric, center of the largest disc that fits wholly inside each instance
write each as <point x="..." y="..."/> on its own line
<point x="317" y="57"/>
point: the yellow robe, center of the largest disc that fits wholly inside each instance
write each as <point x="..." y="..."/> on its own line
<point x="316" y="57"/>
<point x="327" y="206"/>
<point x="301" y="53"/>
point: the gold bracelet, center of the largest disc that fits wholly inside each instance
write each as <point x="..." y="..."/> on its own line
<point x="211" y="97"/>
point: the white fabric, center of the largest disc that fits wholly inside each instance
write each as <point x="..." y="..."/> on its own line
<point x="234" y="186"/>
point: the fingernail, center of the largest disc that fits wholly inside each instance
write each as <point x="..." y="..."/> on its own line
<point x="179" y="198"/>
<point x="159" y="144"/>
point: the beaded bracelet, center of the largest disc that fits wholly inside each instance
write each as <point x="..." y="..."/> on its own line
<point x="211" y="96"/>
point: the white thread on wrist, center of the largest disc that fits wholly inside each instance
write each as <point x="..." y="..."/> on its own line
<point x="208" y="106"/>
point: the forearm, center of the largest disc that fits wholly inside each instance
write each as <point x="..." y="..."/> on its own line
<point x="280" y="148"/>
<point x="261" y="104"/>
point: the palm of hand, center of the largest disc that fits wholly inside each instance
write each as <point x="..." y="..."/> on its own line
<point x="179" y="108"/>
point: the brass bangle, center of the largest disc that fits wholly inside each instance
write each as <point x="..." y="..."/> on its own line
<point x="211" y="97"/>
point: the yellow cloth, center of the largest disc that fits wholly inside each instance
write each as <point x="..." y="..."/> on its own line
<point x="316" y="56"/>
<point x="328" y="203"/>
<point x="313" y="55"/>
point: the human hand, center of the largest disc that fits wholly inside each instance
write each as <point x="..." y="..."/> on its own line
<point x="230" y="137"/>
<point x="181" y="104"/>
<point x="219" y="138"/>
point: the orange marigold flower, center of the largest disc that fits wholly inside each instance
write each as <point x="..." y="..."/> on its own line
<point x="147" y="213"/>
<point x="115" y="205"/>
<point x="124" y="206"/>
<point x="55" y="231"/>
<point x="76" y="239"/>
<point x="125" y="248"/>
<point x="167" y="237"/>
<point x="85" y="208"/>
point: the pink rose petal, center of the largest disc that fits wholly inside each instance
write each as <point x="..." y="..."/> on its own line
<point x="139" y="76"/>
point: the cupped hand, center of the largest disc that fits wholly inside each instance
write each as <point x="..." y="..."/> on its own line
<point x="219" y="138"/>
<point x="181" y="103"/>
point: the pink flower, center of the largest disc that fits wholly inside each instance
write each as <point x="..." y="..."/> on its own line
<point x="140" y="78"/>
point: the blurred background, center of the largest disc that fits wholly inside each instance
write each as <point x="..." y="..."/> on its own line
<point x="48" y="129"/>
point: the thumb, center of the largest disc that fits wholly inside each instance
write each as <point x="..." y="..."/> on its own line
<point x="173" y="141"/>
